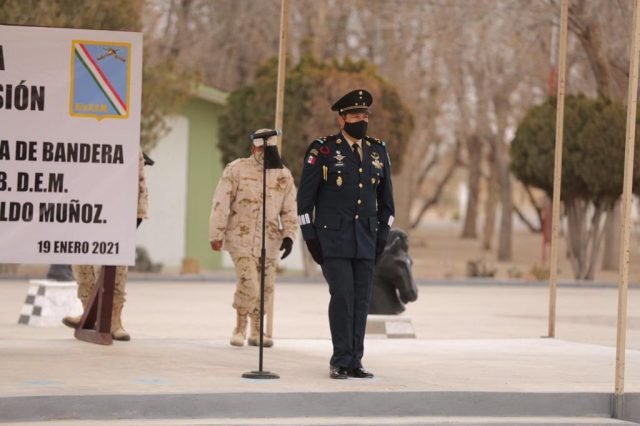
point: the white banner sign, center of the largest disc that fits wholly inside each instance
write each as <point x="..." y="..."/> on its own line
<point x="69" y="145"/>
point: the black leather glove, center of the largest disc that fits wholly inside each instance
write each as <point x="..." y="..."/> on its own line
<point x="287" y="244"/>
<point x="380" y="245"/>
<point x="316" y="250"/>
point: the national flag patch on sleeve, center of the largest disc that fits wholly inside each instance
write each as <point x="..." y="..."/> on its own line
<point x="311" y="159"/>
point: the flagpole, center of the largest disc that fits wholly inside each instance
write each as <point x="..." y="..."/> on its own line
<point x="623" y="277"/>
<point x="557" y="173"/>
<point x="282" y="70"/>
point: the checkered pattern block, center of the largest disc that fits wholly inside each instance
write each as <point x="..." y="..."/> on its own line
<point x="47" y="302"/>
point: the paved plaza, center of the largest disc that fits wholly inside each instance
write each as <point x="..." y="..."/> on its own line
<point x="478" y="358"/>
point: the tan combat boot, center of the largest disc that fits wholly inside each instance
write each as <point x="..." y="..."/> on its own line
<point x="117" y="330"/>
<point x="240" y="332"/>
<point x="74" y="322"/>
<point x="254" y="337"/>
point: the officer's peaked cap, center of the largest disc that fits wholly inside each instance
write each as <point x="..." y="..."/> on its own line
<point x="355" y="100"/>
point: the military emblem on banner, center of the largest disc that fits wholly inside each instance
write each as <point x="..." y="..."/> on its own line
<point x="100" y="79"/>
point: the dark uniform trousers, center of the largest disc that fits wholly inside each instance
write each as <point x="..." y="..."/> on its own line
<point x="346" y="204"/>
<point x="350" y="285"/>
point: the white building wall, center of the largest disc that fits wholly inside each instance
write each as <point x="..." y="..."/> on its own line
<point x="163" y="234"/>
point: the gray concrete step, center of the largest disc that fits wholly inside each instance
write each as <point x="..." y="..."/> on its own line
<point x="337" y="405"/>
<point x="344" y="421"/>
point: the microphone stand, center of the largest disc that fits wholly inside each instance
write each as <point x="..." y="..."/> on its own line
<point x="260" y="373"/>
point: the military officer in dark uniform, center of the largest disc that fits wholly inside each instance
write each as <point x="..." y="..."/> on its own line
<point x="345" y="210"/>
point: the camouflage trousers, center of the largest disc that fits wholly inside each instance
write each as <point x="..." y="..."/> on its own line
<point x="87" y="277"/>
<point x="246" y="299"/>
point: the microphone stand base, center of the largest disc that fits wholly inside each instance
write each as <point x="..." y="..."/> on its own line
<point x="260" y="375"/>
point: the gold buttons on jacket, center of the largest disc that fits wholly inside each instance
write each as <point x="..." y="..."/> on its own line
<point x="360" y="184"/>
<point x="359" y="201"/>
<point x="357" y="216"/>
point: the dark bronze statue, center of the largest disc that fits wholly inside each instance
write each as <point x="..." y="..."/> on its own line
<point x="393" y="284"/>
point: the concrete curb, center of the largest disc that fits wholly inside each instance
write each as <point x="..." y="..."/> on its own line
<point x="228" y="275"/>
<point x="298" y="279"/>
<point x="297" y="404"/>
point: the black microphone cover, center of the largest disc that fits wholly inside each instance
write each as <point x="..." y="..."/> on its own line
<point x="272" y="157"/>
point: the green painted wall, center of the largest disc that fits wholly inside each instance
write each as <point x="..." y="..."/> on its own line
<point x="205" y="168"/>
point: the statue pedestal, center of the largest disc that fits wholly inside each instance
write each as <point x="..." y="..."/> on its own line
<point x="48" y="301"/>
<point x="390" y="326"/>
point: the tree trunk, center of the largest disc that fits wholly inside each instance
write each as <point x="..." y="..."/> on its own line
<point x="491" y="205"/>
<point x="588" y="30"/>
<point x="505" y="246"/>
<point x="402" y="197"/>
<point x="474" y="159"/>
<point x="584" y="237"/>
<point x="505" y="240"/>
<point x="429" y="202"/>
<point x="611" y="253"/>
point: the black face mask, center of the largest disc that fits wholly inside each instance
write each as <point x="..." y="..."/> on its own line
<point x="356" y="130"/>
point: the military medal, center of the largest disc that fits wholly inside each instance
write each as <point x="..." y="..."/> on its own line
<point x="339" y="181"/>
<point x="339" y="157"/>
<point x="376" y="160"/>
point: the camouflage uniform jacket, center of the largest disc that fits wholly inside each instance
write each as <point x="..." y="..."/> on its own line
<point x="236" y="210"/>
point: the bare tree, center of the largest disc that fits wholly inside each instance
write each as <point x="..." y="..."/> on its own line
<point x="468" y="70"/>
<point x="610" y="74"/>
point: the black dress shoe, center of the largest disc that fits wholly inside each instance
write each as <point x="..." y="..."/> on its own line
<point x="360" y="373"/>
<point x="338" y="372"/>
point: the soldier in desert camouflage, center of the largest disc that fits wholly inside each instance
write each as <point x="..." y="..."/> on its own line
<point x="235" y="225"/>
<point x="87" y="275"/>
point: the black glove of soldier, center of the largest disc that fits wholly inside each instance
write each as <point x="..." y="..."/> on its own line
<point x="316" y="250"/>
<point x="287" y="244"/>
<point x="380" y="245"/>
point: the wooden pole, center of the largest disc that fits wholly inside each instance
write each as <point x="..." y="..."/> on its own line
<point x="95" y="325"/>
<point x="282" y="66"/>
<point x="557" y="172"/>
<point x="623" y="277"/>
<point x="282" y="70"/>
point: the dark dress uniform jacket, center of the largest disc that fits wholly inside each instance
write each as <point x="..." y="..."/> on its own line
<point x="353" y="202"/>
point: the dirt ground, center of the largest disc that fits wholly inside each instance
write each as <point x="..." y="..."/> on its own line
<point x="439" y="252"/>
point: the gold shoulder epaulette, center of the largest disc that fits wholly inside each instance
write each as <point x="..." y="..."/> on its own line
<point x="376" y="141"/>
